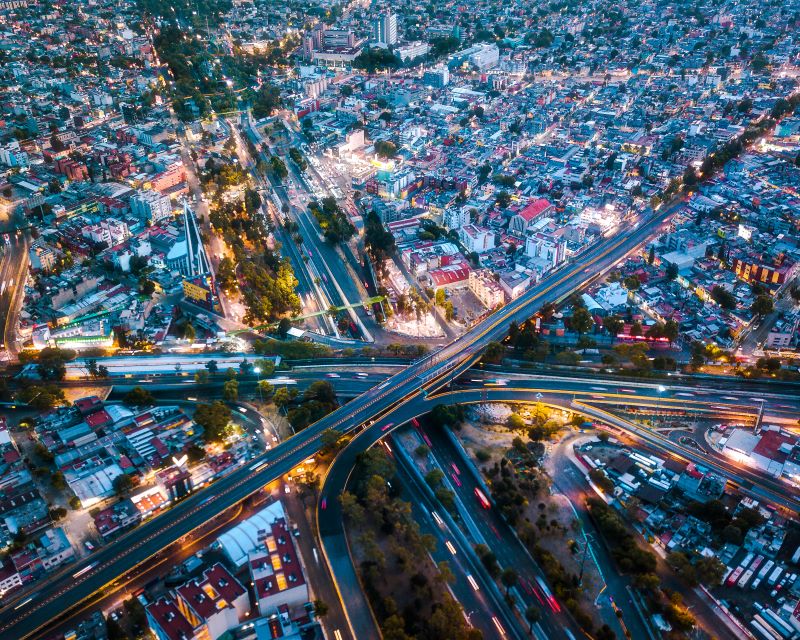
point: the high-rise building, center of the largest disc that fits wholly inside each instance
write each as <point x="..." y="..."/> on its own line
<point x="384" y="29"/>
<point x="437" y="77"/>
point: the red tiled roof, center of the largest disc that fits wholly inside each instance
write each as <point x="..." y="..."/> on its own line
<point x="535" y="209"/>
<point x="98" y="418"/>
<point x="169" y="618"/>
<point x="770" y="443"/>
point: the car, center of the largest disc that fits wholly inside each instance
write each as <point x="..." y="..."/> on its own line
<point x="324" y="504"/>
<point x="287" y="488"/>
<point x="388" y="426"/>
<point x="89" y="546"/>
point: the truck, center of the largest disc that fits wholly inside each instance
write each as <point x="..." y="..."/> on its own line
<point x="733" y="578"/>
<point x="773" y="577"/>
<point x="763" y="573"/>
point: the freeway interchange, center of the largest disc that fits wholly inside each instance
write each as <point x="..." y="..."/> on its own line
<point x="410" y="387"/>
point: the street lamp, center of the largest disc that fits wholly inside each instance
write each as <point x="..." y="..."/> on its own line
<point x="257" y="371"/>
<point x="661" y="389"/>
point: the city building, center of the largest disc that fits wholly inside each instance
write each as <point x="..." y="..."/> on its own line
<point x="384" y="29"/>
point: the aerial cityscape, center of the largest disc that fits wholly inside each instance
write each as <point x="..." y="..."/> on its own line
<point x="355" y="320"/>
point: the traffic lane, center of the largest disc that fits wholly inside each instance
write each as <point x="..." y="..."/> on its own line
<point x="477" y="610"/>
<point x="316" y="570"/>
<point x="331" y="524"/>
<point x="336" y="551"/>
<point x="498" y="534"/>
<point x="701" y="392"/>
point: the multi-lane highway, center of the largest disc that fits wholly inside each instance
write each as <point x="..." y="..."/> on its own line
<point x="13" y="273"/>
<point x="427" y="372"/>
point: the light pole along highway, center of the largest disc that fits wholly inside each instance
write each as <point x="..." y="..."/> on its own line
<point x="101" y="569"/>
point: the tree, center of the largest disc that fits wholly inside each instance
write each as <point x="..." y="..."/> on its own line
<point x="671" y="330"/>
<point x="723" y="297"/>
<point x="189" y="332"/>
<point x="762" y="306"/>
<point x="671" y="272"/>
<point x="494" y="353"/>
<point x="50" y="363"/>
<point x="515" y="422"/>
<point x="651" y="256"/>
<point x="265" y="390"/>
<point x="212" y="366"/>
<point x="532" y="615"/>
<point x="138" y="397"/>
<point x="122" y="484"/>
<point x="283" y="397"/>
<point x="230" y="390"/>
<point x="320" y="608"/>
<point x="41" y="397"/>
<point x="201" y="377"/>
<point x="613" y="324"/>
<point x="581" y="320"/>
<point x="434" y="477"/>
<point x="283" y="327"/>
<point x="330" y="441"/>
<point x="710" y="571"/>
<point x="115" y="630"/>
<point x="509" y="578"/>
<point x="488" y="559"/>
<point x="214" y="419"/>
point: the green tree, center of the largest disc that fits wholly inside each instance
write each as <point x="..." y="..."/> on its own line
<point x="122" y="484"/>
<point x="581" y="320"/>
<point x="515" y="422"/>
<point x="330" y="441"/>
<point x="201" y="377"/>
<point x="230" y="390"/>
<point x="42" y="397"/>
<point x="613" y="324"/>
<point x="320" y="608"/>
<point x="509" y="578"/>
<point x="532" y="615"/>
<point x="434" y="478"/>
<point x="494" y="353"/>
<point x="671" y="271"/>
<point x="138" y="397"/>
<point x="762" y="306"/>
<point x="212" y="366"/>
<point x="214" y="419"/>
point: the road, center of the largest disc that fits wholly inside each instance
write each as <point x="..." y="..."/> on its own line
<point x="410" y="384"/>
<point x="13" y="274"/>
